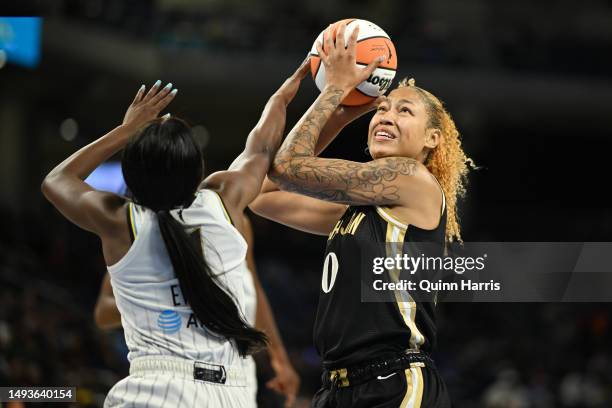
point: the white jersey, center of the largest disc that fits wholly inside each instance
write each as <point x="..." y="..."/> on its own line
<point x="250" y="307"/>
<point x="250" y="299"/>
<point x="155" y="317"/>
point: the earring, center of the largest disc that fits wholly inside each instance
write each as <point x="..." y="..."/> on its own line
<point x="367" y="150"/>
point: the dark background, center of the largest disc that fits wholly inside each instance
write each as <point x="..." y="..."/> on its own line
<point x="529" y="88"/>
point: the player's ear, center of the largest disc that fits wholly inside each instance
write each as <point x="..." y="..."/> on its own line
<point x="432" y="137"/>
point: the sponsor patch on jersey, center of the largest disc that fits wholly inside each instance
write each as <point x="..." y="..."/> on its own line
<point x="169" y="321"/>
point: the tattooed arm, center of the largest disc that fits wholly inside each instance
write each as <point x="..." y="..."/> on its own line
<point x="377" y="182"/>
<point x="299" y="211"/>
<point x="297" y="169"/>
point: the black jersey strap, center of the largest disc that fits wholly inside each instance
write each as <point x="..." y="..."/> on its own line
<point x="443" y="195"/>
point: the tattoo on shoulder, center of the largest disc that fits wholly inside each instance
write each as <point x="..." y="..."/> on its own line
<point x="347" y="182"/>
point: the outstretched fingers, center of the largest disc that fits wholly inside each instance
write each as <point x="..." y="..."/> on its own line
<point x="303" y="69"/>
<point x="152" y="91"/>
<point x="139" y="95"/>
<point x="352" y="44"/>
<point x="340" y="43"/>
<point x="328" y="40"/>
<point x="164" y="101"/>
<point x="322" y="54"/>
<point x="367" y="71"/>
<point x="155" y="99"/>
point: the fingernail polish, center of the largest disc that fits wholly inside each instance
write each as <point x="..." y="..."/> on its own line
<point x="142" y="88"/>
<point x="168" y="86"/>
<point x="157" y="83"/>
<point x="174" y="91"/>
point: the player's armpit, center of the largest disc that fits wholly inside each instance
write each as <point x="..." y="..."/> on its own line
<point x="239" y="185"/>
<point x="298" y="211"/>
<point x="387" y="181"/>
<point x="90" y="209"/>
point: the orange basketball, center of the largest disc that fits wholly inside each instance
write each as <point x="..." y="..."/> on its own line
<point x="372" y="42"/>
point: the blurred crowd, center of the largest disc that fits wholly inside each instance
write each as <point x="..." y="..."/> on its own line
<point x="490" y="355"/>
<point x="547" y="36"/>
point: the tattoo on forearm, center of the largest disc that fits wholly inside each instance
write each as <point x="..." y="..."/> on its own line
<point x="302" y="141"/>
<point x="297" y="170"/>
<point x="345" y="181"/>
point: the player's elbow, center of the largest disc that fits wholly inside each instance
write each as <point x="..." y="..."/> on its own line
<point x="278" y="171"/>
<point x="283" y="178"/>
<point x="105" y="319"/>
<point x="279" y="177"/>
<point x="99" y="320"/>
<point x="47" y="187"/>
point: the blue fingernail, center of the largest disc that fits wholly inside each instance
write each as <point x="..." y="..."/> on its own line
<point x="174" y="91"/>
<point x="168" y="86"/>
<point x="157" y="83"/>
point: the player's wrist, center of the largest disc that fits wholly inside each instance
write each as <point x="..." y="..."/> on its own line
<point x="278" y="355"/>
<point x="338" y="88"/>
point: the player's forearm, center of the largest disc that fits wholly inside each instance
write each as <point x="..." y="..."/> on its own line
<point x="80" y="164"/>
<point x="266" y="136"/>
<point x="328" y="134"/>
<point x="303" y="138"/>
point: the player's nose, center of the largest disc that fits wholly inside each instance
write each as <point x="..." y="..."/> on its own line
<point x="386" y="119"/>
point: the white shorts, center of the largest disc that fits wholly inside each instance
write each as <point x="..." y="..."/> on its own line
<point x="169" y="382"/>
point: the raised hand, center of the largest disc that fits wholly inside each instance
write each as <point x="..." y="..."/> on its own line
<point x="289" y="88"/>
<point x="146" y="107"/>
<point x="339" y="59"/>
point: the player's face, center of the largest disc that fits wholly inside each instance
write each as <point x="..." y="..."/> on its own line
<point x="399" y="126"/>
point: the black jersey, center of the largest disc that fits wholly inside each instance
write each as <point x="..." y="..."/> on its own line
<point x="348" y="331"/>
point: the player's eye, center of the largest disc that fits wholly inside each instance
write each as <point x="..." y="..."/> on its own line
<point x="381" y="108"/>
<point x="405" y="109"/>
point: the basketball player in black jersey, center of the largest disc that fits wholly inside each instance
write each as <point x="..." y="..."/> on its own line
<point x="374" y="354"/>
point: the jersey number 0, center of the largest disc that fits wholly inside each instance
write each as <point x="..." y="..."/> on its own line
<point x="331" y="262"/>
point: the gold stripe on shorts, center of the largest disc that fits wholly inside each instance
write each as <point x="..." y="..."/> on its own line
<point x="414" y="388"/>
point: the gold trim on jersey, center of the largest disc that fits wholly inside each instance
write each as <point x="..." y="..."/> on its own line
<point x="391" y="218"/>
<point x="405" y="303"/>
<point x="132" y="217"/>
<point x="224" y="209"/>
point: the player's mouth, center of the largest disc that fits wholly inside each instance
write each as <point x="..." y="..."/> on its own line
<point x="383" y="135"/>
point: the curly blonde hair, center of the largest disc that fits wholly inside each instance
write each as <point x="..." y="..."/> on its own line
<point x="447" y="161"/>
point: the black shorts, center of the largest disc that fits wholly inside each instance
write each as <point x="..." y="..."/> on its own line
<point x="413" y="387"/>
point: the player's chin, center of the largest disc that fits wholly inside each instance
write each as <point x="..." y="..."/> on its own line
<point x="380" y="151"/>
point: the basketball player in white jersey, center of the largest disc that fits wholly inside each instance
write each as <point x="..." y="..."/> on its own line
<point x="257" y="312"/>
<point x="175" y="258"/>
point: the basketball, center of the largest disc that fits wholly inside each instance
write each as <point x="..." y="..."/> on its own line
<point x="372" y="42"/>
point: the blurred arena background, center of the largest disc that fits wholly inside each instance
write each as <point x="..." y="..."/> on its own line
<point x="529" y="84"/>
